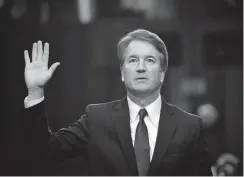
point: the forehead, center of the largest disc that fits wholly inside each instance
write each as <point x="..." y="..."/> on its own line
<point x="141" y="48"/>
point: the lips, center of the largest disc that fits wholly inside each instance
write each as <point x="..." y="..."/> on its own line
<point x="141" y="78"/>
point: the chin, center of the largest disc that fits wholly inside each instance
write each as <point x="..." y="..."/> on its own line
<point x="140" y="90"/>
<point x="143" y="89"/>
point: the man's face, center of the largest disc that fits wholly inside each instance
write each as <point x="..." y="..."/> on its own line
<point x="141" y="71"/>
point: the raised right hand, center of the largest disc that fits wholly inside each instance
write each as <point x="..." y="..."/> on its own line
<point x="37" y="73"/>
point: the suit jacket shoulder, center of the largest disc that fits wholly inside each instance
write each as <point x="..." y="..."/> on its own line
<point x="185" y="118"/>
<point x="100" y="109"/>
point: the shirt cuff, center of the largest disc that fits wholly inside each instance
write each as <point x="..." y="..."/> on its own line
<point x="28" y="104"/>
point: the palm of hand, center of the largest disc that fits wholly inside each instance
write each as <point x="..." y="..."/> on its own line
<point x="36" y="74"/>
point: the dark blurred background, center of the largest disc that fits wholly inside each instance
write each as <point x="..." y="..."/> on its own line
<point x="204" y="40"/>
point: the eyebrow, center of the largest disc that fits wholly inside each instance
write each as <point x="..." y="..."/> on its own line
<point x="147" y="56"/>
<point x="133" y="56"/>
<point x="150" y="56"/>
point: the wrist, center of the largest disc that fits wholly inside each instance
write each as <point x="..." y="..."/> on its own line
<point x="35" y="93"/>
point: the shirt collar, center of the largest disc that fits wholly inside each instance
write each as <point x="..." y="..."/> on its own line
<point x="153" y="110"/>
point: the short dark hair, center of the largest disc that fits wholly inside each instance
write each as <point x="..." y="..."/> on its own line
<point x="143" y="35"/>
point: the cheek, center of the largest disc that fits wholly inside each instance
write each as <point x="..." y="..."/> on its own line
<point x="156" y="73"/>
<point x="157" y="76"/>
<point x="127" y="77"/>
<point x="127" y="73"/>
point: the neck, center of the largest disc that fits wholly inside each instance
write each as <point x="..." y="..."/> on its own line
<point x="143" y="100"/>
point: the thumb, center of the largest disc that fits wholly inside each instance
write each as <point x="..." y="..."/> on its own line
<point x="53" y="67"/>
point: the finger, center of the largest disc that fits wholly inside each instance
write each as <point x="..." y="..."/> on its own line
<point x="39" y="50"/>
<point x="54" y="67"/>
<point x="34" y="52"/>
<point x="27" y="58"/>
<point x="46" y="53"/>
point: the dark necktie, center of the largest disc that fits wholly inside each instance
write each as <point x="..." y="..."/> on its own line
<point x="141" y="145"/>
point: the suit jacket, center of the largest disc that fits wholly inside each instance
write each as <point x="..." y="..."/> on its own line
<point x="102" y="135"/>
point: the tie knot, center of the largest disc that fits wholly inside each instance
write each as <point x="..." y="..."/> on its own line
<point x="142" y="113"/>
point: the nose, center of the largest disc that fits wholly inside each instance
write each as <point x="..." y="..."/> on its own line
<point x="141" y="66"/>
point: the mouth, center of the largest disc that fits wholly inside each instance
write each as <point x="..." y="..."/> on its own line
<point x="141" y="78"/>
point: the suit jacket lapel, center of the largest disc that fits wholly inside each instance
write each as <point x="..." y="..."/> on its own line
<point x="121" y="121"/>
<point x="166" y="130"/>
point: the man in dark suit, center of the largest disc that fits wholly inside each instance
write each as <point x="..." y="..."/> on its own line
<point x="139" y="135"/>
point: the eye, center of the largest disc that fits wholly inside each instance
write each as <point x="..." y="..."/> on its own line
<point x="150" y="60"/>
<point x="132" y="60"/>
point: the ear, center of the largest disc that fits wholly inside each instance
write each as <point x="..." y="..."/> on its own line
<point x="162" y="76"/>
<point x="122" y="75"/>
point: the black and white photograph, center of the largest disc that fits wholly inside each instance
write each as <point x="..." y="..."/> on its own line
<point x="121" y="88"/>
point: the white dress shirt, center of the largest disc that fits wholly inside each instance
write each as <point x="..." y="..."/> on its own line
<point x="28" y="104"/>
<point x="151" y="121"/>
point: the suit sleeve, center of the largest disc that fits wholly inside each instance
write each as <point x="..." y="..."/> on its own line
<point x="202" y="157"/>
<point x="53" y="147"/>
